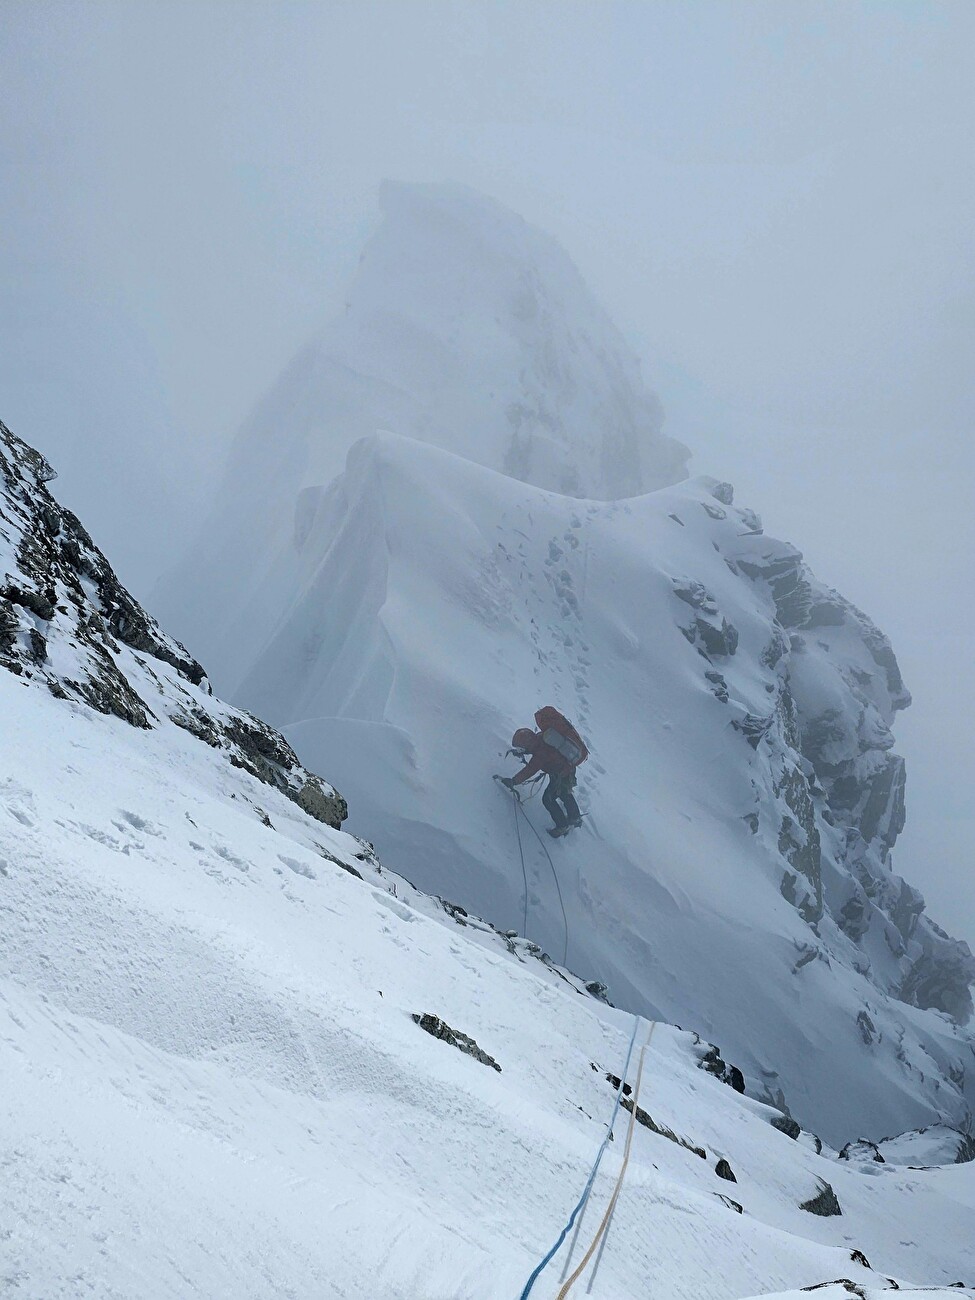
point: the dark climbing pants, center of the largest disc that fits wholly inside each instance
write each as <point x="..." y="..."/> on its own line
<point x="559" y="791"/>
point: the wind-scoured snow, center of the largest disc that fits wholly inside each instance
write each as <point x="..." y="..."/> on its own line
<point x="733" y="873"/>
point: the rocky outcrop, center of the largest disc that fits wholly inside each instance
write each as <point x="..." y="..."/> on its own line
<point x="710" y="1059"/>
<point x="824" y="1203"/>
<point x="862" y="1151"/>
<point x="463" y="1042"/>
<point x="68" y="625"/>
<point x="787" y="1125"/>
<point x="712" y="634"/>
<point x="936" y="1144"/>
<point x="834" y="776"/>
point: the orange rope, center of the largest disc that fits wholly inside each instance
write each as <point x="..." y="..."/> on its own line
<point x="619" y="1181"/>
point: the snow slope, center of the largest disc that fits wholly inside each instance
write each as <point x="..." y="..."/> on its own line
<point x="733" y="874"/>
<point x="463" y="327"/>
<point x="213" y="1082"/>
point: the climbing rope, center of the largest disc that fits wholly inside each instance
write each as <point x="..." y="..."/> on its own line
<point x="580" y="1204"/>
<point x="521" y="852"/>
<point x="517" y="801"/>
<point x="604" y="1224"/>
<point x="558" y="887"/>
<point x="609" y="1224"/>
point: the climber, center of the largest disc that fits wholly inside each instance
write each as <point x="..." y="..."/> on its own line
<point x="556" y="749"/>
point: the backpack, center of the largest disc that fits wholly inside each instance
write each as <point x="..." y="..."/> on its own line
<point x="558" y="732"/>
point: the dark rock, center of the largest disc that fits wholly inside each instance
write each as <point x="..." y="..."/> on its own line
<point x="787" y="1125"/>
<point x="849" y="1287"/>
<point x="712" y="1061"/>
<point x="198" y="724"/>
<point x="781" y="568"/>
<point x="440" y="1029"/>
<point x="724" y="1170"/>
<point x="455" y="910"/>
<point x="41" y="606"/>
<point x="717" y="640"/>
<point x="732" y="1205"/>
<point x="862" y="1150"/>
<point x="809" y="953"/>
<point x="616" y="1081"/>
<point x="777" y="647"/>
<point x="63" y="581"/>
<point x="695" y="594"/>
<point x="824" y="1203"/>
<point x="325" y="806"/>
<point x="38" y="646"/>
<point x="868" y="1030"/>
<point x="753" y="727"/>
<point x="853" y="917"/>
<point x="858" y="1257"/>
<point x="647" y="1120"/>
<point x="719" y="687"/>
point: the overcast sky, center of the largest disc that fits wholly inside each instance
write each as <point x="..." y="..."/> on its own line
<point x="775" y="201"/>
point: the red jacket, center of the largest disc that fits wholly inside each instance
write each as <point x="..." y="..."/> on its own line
<point x="543" y="759"/>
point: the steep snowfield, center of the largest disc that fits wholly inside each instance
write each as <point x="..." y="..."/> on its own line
<point x="463" y="327"/>
<point x="213" y="1085"/>
<point x="213" y="1082"/>
<point x="733" y="871"/>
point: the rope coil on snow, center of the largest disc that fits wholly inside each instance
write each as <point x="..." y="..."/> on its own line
<point x="592" y="1173"/>
<point x="604" y="1224"/>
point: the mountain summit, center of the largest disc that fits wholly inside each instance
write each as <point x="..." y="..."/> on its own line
<point x="464" y="327"/>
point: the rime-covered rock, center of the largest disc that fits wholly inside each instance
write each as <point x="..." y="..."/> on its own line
<point x="68" y="625"/>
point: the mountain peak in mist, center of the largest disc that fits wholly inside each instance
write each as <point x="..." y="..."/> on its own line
<point x="464" y="327"/>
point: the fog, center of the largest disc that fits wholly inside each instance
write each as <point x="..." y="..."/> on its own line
<point x="775" y="203"/>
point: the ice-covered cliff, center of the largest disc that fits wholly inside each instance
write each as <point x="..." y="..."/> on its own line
<point x="734" y="873"/>
<point x="464" y="327"/>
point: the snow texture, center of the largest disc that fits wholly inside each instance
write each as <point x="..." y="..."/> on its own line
<point x="214" y="1081"/>
<point x="733" y="873"/>
<point x="464" y="327"/>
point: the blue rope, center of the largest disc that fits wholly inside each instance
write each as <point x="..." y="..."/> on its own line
<point x="592" y="1175"/>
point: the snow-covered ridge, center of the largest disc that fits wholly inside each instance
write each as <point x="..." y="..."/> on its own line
<point x="734" y="874"/>
<point x="68" y="627"/>
<point x="214" y="1079"/>
<point x="463" y="327"/>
